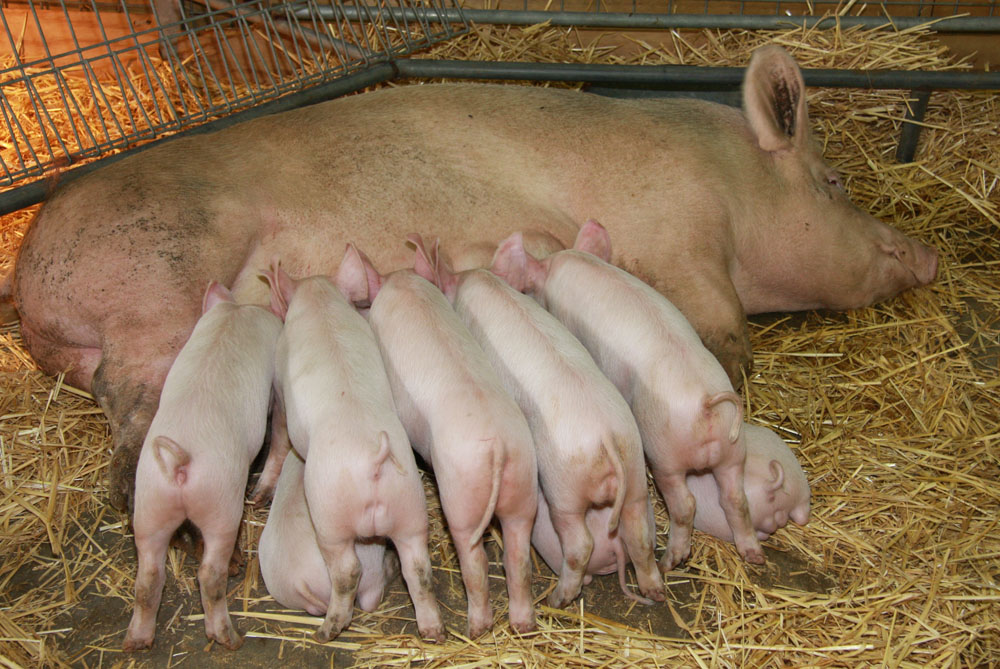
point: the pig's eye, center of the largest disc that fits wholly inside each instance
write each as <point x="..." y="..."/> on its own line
<point x="834" y="180"/>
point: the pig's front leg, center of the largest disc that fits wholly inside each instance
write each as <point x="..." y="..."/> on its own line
<point x="733" y="501"/>
<point x="681" y="507"/>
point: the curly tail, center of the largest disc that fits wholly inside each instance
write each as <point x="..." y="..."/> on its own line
<point x="728" y="396"/>
<point x="496" y="462"/>
<point x="172" y="458"/>
<point x="615" y="458"/>
<point x="384" y="453"/>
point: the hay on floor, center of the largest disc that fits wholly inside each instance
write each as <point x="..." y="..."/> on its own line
<point x="894" y="412"/>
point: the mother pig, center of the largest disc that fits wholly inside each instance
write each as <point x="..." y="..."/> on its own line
<point x="726" y="213"/>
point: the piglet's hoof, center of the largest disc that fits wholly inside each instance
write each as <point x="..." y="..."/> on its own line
<point x="230" y="640"/>
<point x="133" y="644"/>
<point x="755" y="556"/>
<point x="435" y="633"/>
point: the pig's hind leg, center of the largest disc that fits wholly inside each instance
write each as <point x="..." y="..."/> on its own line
<point x="345" y="573"/>
<point x="640" y="542"/>
<point x="475" y="574"/>
<point x="151" y="545"/>
<point x="577" y="545"/>
<point x="213" y="574"/>
<point x="681" y="507"/>
<point x="733" y="500"/>
<point x="517" y="567"/>
<point x="415" y="563"/>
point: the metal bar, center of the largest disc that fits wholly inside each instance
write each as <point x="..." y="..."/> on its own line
<point x="689" y="76"/>
<point x="24" y="196"/>
<point x="618" y="20"/>
<point x="910" y="134"/>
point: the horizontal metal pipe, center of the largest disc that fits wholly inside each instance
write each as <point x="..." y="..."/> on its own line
<point x="36" y="191"/>
<point x="622" y="20"/>
<point x="688" y="76"/>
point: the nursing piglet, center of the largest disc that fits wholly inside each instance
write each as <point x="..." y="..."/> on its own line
<point x="361" y="479"/>
<point x="196" y="457"/>
<point x="463" y="424"/>
<point x="688" y="414"/>
<point x="291" y="563"/>
<point x="587" y="443"/>
<point x="776" y="487"/>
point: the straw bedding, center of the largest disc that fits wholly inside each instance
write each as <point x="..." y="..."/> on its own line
<point x="894" y="412"/>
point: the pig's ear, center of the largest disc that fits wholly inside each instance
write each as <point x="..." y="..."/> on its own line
<point x="594" y="239"/>
<point x="214" y="294"/>
<point x="282" y="289"/>
<point x="423" y="265"/>
<point x="357" y="279"/>
<point x="447" y="280"/>
<point x="774" y="99"/>
<point x="777" y="478"/>
<point x="510" y="262"/>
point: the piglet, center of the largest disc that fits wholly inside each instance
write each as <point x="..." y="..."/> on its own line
<point x="361" y="479"/>
<point x="688" y="414"/>
<point x="196" y="457"/>
<point x="291" y="563"/>
<point x="463" y="424"/>
<point x="776" y="488"/>
<point x="587" y="443"/>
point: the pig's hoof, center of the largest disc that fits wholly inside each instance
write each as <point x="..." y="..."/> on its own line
<point x="261" y="495"/>
<point x="524" y="627"/>
<point x="133" y="643"/>
<point x="231" y="640"/>
<point x="755" y="556"/>
<point x="556" y="600"/>
<point x="655" y="594"/>
<point x="435" y="633"/>
<point x="479" y="629"/>
<point x="671" y="560"/>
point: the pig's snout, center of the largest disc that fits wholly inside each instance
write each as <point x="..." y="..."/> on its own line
<point x="919" y="260"/>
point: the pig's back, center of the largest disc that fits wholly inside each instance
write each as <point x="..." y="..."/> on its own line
<point x="540" y="361"/>
<point x="221" y="377"/>
<point x="627" y="325"/>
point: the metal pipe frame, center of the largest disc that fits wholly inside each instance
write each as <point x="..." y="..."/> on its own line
<point x="626" y="21"/>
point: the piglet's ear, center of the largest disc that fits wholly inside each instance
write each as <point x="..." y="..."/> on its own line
<point x="593" y="238"/>
<point x="510" y="262"/>
<point x="423" y="265"/>
<point x="282" y="288"/>
<point x="447" y="280"/>
<point x="214" y="294"/>
<point x="357" y="279"/>
<point x="774" y="99"/>
<point x="777" y="478"/>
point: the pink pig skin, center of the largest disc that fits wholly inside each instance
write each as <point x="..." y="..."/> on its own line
<point x="776" y="487"/>
<point x="687" y="412"/>
<point x="725" y="212"/>
<point x="290" y="560"/>
<point x="609" y="554"/>
<point x="587" y="443"/>
<point x="361" y="479"/>
<point x="464" y="424"/>
<point x="196" y="458"/>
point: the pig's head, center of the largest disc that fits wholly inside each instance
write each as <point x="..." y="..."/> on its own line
<point x="357" y="278"/>
<point x="777" y="489"/>
<point x="829" y="252"/>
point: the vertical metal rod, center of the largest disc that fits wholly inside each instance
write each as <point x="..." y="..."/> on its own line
<point x="910" y="135"/>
